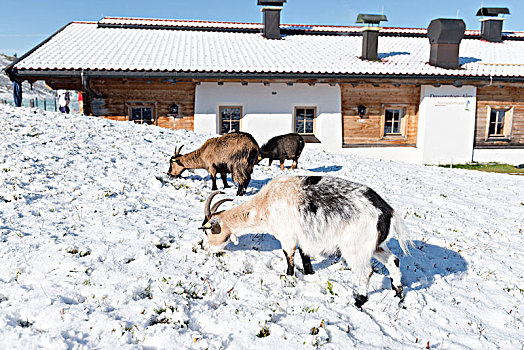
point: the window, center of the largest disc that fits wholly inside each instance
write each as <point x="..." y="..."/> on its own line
<point x="305" y="120"/>
<point x="142" y="112"/>
<point x="230" y="119"/>
<point x="393" y="121"/>
<point x="142" y="115"/>
<point x="498" y="123"/>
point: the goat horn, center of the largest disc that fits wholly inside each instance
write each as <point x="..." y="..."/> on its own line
<point x="207" y="210"/>
<point x="217" y="204"/>
<point x="177" y="150"/>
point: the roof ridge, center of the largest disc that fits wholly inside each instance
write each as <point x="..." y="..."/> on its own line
<point x="283" y="25"/>
<point x="175" y="20"/>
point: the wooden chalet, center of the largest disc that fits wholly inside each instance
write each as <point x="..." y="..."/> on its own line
<point x="441" y="94"/>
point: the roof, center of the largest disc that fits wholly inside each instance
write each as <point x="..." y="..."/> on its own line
<point x="198" y="47"/>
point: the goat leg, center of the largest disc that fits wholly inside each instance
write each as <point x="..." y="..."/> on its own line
<point x="398" y="289"/>
<point x="241" y="190"/>
<point x="242" y="185"/>
<point x="306" y="263"/>
<point x="361" y="297"/>
<point x="223" y="176"/>
<point x="290" y="263"/>
<point x="214" y="183"/>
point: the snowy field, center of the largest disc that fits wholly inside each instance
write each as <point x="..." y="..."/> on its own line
<point x="96" y="252"/>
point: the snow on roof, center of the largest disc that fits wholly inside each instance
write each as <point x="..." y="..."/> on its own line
<point x="128" y="44"/>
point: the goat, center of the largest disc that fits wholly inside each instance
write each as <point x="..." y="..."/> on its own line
<point x="288" y="146"/>
<point x="235" y="153"/>
<point x="319" y="215"/>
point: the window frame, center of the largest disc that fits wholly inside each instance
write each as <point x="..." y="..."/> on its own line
<point x="220" y="109"/>
<point x="314" y="108"/>
<point x="142" y="104"/>
<point x="508" y="118"/>
<point x="403" y="121"/>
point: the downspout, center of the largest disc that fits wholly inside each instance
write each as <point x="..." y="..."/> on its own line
<point x="88" y="100"/>
<point x="85" y="85"/>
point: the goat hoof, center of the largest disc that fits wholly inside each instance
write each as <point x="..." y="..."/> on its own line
<point x="309" y="272"/>
<point x="241" y="191"/>
<point x="398" y="290"/>
<point x="360" y="300"/>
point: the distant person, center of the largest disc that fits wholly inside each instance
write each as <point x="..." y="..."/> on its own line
<point x="63" y="101"/>
<point x="80" y="102"/>
<point x="17" y="92"/>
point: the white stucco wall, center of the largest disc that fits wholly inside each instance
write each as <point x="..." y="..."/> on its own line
<point x="445" y="129"/>
<point x="266" y="114"/>
<point x="446" y="124"/>
<point x="268" y="110"/>
<point x="499" y="155"/>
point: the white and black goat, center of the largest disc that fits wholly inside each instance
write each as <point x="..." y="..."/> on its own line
<point x="319" y="215"/>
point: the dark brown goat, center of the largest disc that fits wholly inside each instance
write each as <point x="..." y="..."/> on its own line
<point x="283" y="147"/>
<point x="235" y="153"/>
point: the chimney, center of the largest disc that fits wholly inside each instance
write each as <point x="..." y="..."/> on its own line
<point x="370" y="35"/>
<point x="445" y="36"/>
<point x="491" y="27"/>
<point x="271" y="12"/>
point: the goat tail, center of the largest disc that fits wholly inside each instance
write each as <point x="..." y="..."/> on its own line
<point x="403" y="234"/>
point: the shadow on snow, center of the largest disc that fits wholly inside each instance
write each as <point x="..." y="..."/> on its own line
<point x="424" y="263"/>
<point x="326" y="169"/>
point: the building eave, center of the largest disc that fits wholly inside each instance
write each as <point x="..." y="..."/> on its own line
<point x="50" y="74"/>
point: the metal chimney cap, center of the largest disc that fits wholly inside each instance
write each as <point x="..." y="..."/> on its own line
<point x="446" y="31"/>
<point x="372" y="19"/>
<point x="492" y="11"/>
<point x="271" y="2"/>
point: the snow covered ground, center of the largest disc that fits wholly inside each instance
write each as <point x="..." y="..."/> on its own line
<point x="96" y="252"/>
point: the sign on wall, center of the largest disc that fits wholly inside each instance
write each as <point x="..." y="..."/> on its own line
<point x="447" y="124"/>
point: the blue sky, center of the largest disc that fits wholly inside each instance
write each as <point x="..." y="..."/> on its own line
<point x="25" y="23"/>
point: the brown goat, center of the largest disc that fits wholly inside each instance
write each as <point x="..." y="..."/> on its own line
<point x="235" y="153"/>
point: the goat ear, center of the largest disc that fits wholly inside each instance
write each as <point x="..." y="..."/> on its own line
<point x="215" y="228"/>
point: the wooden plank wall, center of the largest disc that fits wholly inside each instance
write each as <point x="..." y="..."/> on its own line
<point x="357" y="131"/>
<point x="117" y="92"/>
<point x="495" y="96"/>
